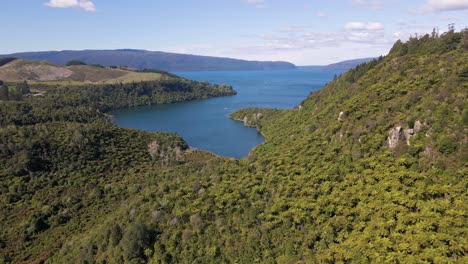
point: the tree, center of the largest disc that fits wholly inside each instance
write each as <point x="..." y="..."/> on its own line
<point x="23" y="88"/>
<point x="75" y="62"/>
<point x="435" y="33"/>
<point x="4" y="93"/>
<point x="465" y="38"/>
<point x="135" y="240"/>
<point x="6" y="60"/>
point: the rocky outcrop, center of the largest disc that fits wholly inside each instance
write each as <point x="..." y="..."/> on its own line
<point x="417" y="127"/>
<point x="408" y="133"/>
<point x="178" y="153"/>
<point x="394" y="136"/>
<point x="341" y="116"/>
<point x="153" y="149"/>
<point x="257" y="116"/>
<point x="254" y="121"/>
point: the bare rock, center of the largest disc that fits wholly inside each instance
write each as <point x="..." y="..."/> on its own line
<point x="394" y="136"/>
<point x="408" y="133"/>
<point x="178" y="153"/>
<point x="417" y="127"/>
<point x="245" y="120"/>
<point x="340" y="116"/>
<point x="153" y="149"/>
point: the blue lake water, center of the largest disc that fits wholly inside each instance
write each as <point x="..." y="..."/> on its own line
<point x="205" y="124"/>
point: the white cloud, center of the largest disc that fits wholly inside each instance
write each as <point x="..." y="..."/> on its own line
<point x="444" y="5"/>
<point x="254" y="2"/>
<point x="304" y="45"/>
<point x="86" y="5"/>
<point x="364" y="26"/>
<point x="305" y="39"/>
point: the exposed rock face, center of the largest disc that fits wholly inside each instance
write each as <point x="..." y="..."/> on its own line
<point x="394" y="136"/>
<point x="408" y="133"/>
<point x="340" y="116"/>
<point x="153" y="149"/>
<point x="245" y="120"/>
<point x="417" y="127"/>
<point x="178" y="153"/>
<point x="257" y="116"/>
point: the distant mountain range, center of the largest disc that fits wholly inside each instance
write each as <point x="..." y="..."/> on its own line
<point x="347" y="64"/>
<point x="339" y="66"/>
<point x="143" y="59"/>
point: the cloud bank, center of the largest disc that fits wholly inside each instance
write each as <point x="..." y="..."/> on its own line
<point x="364" y="26"/>
<point x="254" y="1"/>
<point x="444" y="5"/>
<point x="86" y="5"/>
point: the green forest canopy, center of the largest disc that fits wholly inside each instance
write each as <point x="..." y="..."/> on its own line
<point x="324" y="188"/>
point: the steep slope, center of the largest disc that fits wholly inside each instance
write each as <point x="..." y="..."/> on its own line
<point x="143" y="59"/>
<point x="345" y="183"/>
<point x="370" y="169"/>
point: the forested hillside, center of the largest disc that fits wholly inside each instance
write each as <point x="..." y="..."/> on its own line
<point x="59" y="151"/>
<point x="370" y="169"/>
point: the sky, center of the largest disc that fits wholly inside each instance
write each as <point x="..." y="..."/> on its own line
<point x="304" y="32"/>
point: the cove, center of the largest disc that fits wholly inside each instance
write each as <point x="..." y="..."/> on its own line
<point x="205" y="124"/>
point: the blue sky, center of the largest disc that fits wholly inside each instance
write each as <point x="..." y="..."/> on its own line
<point x="305" y="32"/>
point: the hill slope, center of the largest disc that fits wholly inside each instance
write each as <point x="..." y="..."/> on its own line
<point x="43" y="71"/>
<point x="142" y="59"/>
<point x="347" y="64"/>
<point x="370" y="169"/>
<point x="339" y="66"/>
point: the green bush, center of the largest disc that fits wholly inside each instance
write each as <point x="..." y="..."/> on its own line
<point x="446" y="145"/>
<point x="75" y="62"/>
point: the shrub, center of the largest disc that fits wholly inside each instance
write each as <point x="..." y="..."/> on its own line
<point x="447" y="146"/>
<point x="75" y="62"/>
<point x="135" y="240"/>
<point x="4" y="61"/>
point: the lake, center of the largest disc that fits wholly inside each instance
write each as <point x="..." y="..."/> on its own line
<point x="205" y="124"/>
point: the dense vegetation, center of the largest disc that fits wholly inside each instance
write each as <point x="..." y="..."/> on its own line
<point x="87" y="103"/>
<point x="370" y="169"/>
<point x="6" y="60"/>
<point x="74" y="63"/>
